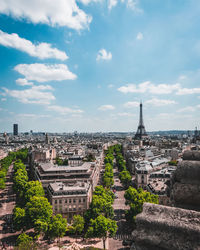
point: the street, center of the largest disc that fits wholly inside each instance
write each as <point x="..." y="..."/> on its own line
<point x="123" y="232"/>
<point x="7" y="203"/>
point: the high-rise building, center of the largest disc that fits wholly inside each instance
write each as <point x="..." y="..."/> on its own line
<point x="15" y="129"/>
<point x="141" y="132"/>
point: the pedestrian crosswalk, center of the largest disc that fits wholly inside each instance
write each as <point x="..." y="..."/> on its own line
<point x="123" y="237"/>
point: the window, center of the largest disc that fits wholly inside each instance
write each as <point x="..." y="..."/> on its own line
<point x="60" y="201"/>
<point x="65" y="201"/>
<point x="74" y="200"/>
<point x="74" y="209"/>
<point x="70" y="201"/>
<point x="79" y="200"/>
<point x="83" y="199"/>
<point x="55" y="201"/>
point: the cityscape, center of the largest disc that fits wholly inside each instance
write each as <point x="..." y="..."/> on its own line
<point x="99" y="126"/>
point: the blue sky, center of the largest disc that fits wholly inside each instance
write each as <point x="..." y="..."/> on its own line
<point x="85" y="65"/>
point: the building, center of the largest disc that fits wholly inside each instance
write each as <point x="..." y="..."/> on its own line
<point x="15" y="129"/>
<point x="143" y="169"/>
<point x="69" y="199"/>
<point x="48" y="173"/>
<point x="42" y="155"/>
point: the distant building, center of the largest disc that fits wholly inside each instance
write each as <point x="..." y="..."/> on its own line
<point x="15" y="129"/>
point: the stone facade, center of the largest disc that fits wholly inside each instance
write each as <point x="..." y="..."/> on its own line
<point x="161" y="228"/>
<point x="185" y="184"/>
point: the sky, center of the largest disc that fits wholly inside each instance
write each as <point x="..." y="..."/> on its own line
<point x="85" y="65"/>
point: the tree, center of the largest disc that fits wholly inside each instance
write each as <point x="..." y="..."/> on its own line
<point x="125" y="178"/>
<point x="105" y="193"/>
<point x="33" y="188"/>
<point x="57" y="226"/>
<point x="20" y="180"/>
<point x="19" y="165"/>
<point x="38" y="208"/>
<point x="78" y="224"/>
<point x="40" y="226"/>
<point x="59" y="161"/>
<point x="19" y="218"/>
<point x="101" y="227"/>
<point x="2" y="183"/>
<point x="24" y="239"/>
<point x="135" y="199"/>
<point x="99" y="205"/>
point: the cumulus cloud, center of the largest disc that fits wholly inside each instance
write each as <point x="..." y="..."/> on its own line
<point x="41" y="50"/>
<point x="53" y="13"/>
<point x="111" y="3"/>
<point x="89" y="1"/>
<point x="159" y="102"/>
<point x="64" y="110"/>
<point x="45" y="72"/>
<point x="23" y="82"/>
<point x="187" y="91"/>
<point x="106" y="107"/>
<point x="104" y="55"/>
<point x="131" y="4"/>
<point x="149" y="87"/>
<point x="139" y="36"/>
<point x="131" y="104"/>
<point x="36" y="94"/>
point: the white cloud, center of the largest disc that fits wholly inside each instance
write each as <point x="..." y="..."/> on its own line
<point x="149" y="87"/>
<point x="131" y="4"/>
<point x="131" y="104"/>
<point x="159" y="102"/>
<point x="35" y="94"/>
<point x="23" y="82"/>
<point x="187" y="109"/>
<point x="3" y="99"/>
<point x="54" y="13"/>
<point x="186" y="91"/>
<point x="32" y="116"/>
<point x="104" y="55"/>
<point x="64" y="110"/>
<point x="111" y="3"/>
<point x="44" y="72"/>
<point x="106" y="107"/>
<point x="86" y="2"/>
<point x="41" y="50"/>
<point x="139" y="36"/>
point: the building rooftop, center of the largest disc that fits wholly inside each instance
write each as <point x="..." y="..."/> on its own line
<point x="50" y="167"/>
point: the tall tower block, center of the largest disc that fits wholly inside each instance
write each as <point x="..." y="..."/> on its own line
<point x="141" y="132"/>
<point x="15" y="129"/>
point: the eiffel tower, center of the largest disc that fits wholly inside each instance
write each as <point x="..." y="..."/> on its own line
<point x="141" y="132"/>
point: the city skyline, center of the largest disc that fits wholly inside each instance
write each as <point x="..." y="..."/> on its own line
<point x="85" y="65"/>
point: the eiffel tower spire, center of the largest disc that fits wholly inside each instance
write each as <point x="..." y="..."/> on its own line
<point x="141" y="132"/>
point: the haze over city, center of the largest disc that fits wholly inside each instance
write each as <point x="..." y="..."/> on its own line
<point x="86" y="65"/>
